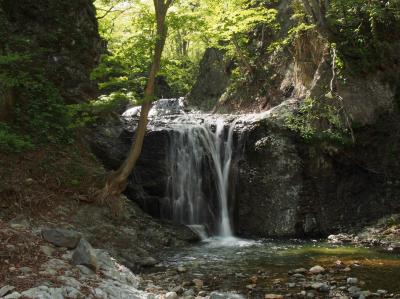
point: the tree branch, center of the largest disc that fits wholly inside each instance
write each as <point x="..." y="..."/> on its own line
<point x="107" y="11"/>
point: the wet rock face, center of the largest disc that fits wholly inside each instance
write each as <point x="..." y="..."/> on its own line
<point x="147" y="184"/>
<point x="269" y="184"/>
<point x="61" y="36"/>
<point x="290" y="188"/>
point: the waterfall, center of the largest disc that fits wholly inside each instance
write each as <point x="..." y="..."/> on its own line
<point x="200" y="162"/>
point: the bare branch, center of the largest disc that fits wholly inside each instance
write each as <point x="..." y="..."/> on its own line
<point x="110" y="10"/>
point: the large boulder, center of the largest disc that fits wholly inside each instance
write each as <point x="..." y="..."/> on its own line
<point x="212" y="81"/>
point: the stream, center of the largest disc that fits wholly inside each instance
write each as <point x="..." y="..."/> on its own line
<point x="256" y="268"/>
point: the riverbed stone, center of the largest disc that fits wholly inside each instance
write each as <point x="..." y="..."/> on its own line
<point x="352" y="280"/>
<point x="354" y="291"/>
<point x="220" y="295"/>
<point x="273" y="296"/>
<point x="47" y="250"/>
<point x="171" y="295"/>
<point x="300" y="271"/>
<point x="148" y="262"/>
<point x="381" y="292"/>
<point x="317" y="270"/>
<point x="317" y="285"/>
<point x="181" y="269"/>
<point x="198" y="283"/>
<point x="61" y="237"/>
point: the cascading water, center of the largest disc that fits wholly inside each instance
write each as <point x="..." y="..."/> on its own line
<point x="201" y="154"/>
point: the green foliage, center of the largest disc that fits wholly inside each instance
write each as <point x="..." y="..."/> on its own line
<point x="365" y="29"/>
<point x="85" y="114"/>
<point x="38" y="110"/>
<point x="180" y="74"/>
<point x="319" y="120"/>
<point x="12" y="142"/>
<point x="42" y="112"/>
<point x="293" y="33"/>
<point x="193" y="26"/>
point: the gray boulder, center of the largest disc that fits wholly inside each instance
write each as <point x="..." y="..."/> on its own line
<point x="5" y="290"/>
<point x="85" y="255"/>
<point x="62" y="237"/>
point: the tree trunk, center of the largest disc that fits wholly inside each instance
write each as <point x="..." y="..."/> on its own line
<point x="318" y="9"/>
<point x="117" y="180"/>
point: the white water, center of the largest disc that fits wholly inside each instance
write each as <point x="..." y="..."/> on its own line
<point x="199" y="150"/>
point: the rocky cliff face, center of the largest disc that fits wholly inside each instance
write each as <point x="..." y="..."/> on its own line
<point x="288" y="185"/>
<point x="60" y="36"/>
<point x="280" y="184"/>
<point x="291" y="186"/>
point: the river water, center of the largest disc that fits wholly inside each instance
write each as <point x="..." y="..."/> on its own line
<point x="255" y="268"/>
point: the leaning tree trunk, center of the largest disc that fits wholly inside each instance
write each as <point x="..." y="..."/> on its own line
<point x="117" y="180"/>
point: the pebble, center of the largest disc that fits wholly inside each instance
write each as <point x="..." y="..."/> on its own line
<point x="347" y="269"/>
<point x="317" y="270"/>
<point x="47" y="250"/>
<point x="324" y="288"/>
<point x="198" y="283"/>
<point x="352" y="280"/>
<point x="300" y="271"/>
<point x="25" y="270"/>
<point x="171" y="295"/>
<point x="291" y="285"/>
<point x="148" y="262"/>
<point x="354" y="291"/>
<point x="317" y="285"/>
<point x="253" y="279"/>
<point x="189" y="292"/>
<point x="178" y="289"/>
<point x="273" y="296"/>
<point x="310" y="295"/>
<point x="181" y="269"/>
<point x="381" y="292"/>
<point x="220" y="295"/>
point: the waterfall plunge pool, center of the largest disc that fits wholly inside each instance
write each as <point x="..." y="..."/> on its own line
<point x="255" y="268"/>
<point x="200" y="155"/>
